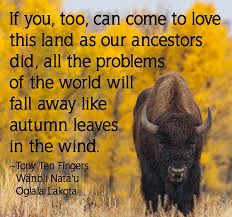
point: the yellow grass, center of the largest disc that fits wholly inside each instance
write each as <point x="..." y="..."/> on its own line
<point x="92" y="204"/>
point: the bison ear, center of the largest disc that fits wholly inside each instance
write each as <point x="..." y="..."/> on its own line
<point x="203" y="128"/>
<point x="152" y="128"/>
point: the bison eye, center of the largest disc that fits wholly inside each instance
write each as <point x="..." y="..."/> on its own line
<point x="193" y="146"/>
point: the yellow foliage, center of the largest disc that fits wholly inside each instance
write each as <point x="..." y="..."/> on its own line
<point x="207" y="70"/>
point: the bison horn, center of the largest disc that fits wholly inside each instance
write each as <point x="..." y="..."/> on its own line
<point x="152" y="128"/>
<point x="203" y="128"/>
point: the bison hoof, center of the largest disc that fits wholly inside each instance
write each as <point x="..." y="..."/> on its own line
<point x="148" y="212"/>
<point x="186" y="212"/>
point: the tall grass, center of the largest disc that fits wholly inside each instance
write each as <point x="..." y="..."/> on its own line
<point x="90" y="204"/>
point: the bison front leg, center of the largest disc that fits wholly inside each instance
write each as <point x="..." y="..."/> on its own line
<point x="146" y="191"/>
<point x="149" y="193"/>
<point x="186" y="205"/>
<point x="155" y="203"/>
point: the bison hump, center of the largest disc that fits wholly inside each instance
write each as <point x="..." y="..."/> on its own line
<point x="171" y="93"/>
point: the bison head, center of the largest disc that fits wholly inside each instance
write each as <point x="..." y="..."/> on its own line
<point x="179" y="137"/>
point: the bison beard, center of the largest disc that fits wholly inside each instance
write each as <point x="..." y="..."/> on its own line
<point x="168" y="135"/>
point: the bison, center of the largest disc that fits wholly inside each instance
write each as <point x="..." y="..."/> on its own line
<point x="168" y="134"/>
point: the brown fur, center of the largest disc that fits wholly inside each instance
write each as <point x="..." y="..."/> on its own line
<point x="168" y="87"/>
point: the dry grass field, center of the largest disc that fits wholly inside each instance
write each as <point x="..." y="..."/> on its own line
<point x="93" y="205"/>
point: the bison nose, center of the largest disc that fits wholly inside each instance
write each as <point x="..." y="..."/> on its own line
<point x="176" y="174"/>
